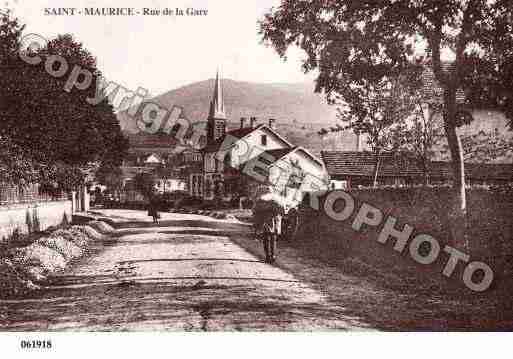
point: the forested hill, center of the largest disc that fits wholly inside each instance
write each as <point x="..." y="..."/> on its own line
<point x="299" y="112"/>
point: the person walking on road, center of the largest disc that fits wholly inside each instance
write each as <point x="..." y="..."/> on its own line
<point x="153" y="210"/>
<point x="268" y="214"/>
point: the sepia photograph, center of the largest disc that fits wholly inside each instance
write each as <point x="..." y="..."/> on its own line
<point x="261" y="166"/>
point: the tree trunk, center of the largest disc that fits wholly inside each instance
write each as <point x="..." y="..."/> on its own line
<point x="425" y="169"/>
<point x="457" y="212"/>
<point x="376" y="170"/>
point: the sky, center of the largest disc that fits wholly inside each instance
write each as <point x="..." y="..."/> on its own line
<point x="160" y="53"/>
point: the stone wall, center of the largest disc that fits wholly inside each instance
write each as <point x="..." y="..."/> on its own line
<point x="30" y="217"/>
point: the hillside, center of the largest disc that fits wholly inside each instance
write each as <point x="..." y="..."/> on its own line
<point x="299" y="112"/>
<point x="285" y="102"/>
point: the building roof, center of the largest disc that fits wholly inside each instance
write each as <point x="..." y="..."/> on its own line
<point x="240" y="133"/>
<point x="280" y="152"/>
<point x="349" y="163"/>
<point x="237" y="133"/>
<point x="243" y="132"/>
<point x="153" y="158"/>
<point x="363" y="164"/>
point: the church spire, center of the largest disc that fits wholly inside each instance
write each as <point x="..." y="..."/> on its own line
<point x="217" y="103"/>
<point x="216" y="116"/>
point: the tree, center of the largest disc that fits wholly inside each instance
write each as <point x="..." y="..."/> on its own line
<point x="111" y="176"/>
<point x="418" y="136"/>
<point x="144" y="182"/>
<point x="489" y="86"/>
<point x="373" y="106"/>
<point x="56" y="128"/>
<point x="363" y="40"/>
<point x="420" y="131"/>
<point x="10" y="33"/>
<point x="15" y="167"/>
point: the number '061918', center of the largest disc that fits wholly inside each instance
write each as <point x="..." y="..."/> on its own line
<point x="36" y="344"/>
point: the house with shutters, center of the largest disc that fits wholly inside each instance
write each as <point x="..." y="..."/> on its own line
<point x="236" y="161"/>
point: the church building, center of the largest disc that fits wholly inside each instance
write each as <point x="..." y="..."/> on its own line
<point x="236" y="161"/>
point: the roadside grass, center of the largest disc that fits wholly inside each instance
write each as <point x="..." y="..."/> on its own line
<point x="387" y="300"/>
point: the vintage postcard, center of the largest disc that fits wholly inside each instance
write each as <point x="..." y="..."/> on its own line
<point x="255" y="166"/>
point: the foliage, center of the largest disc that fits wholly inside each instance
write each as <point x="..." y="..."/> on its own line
<point x="373" y="107"/>
<point x="10" y="33"/>
<point x="420" y="131"/>
<point x="110" y="176"/>
<point x="488" y="85"/>
<point x="15" y="166"/>
<point x="187" y="200"/>
<point x="57" y="129"/>
<point x="144" y="182"/>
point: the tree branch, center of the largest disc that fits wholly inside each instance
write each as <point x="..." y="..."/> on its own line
<point x="435" y="40"/>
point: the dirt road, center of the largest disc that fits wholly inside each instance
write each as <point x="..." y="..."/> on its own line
<point x="185" y="274"/>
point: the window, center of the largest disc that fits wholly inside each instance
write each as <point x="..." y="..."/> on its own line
<point x="263" y="140"/>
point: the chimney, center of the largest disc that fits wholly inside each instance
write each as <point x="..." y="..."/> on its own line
<point x="252" y="122"/>
<point x="271" y="123"/>
<point x="242" y="122"/>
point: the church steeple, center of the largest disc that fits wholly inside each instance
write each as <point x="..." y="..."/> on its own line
<point x="216" y="115"/>
<point x="217" y="103"/>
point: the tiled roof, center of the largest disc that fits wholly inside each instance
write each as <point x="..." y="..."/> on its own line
<point x="341" y="163"/>
<point x="237" y="133"/>
<point x="243" y="132"/>
<point x="264" y="157"/>
<point x="350" y="163"/>
<point x="400" y="165"/>
<point x="280" y="152"/>
<point x="441" y="170"/>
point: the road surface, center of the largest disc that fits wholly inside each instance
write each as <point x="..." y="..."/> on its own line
<point x="183" y="275"/>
